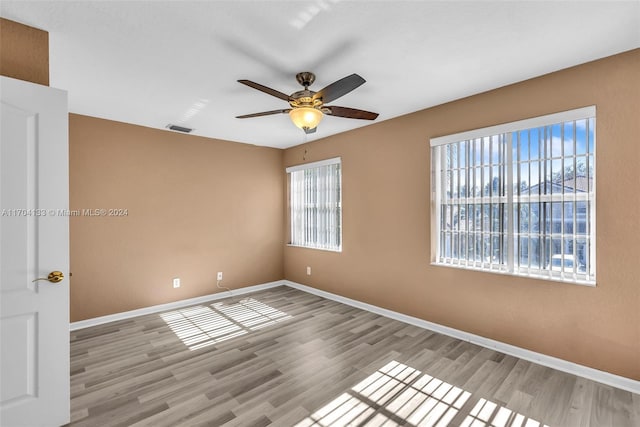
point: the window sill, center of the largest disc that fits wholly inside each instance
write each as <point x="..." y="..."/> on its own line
<point x="548" y="278"/>
<point x="314" y="248"/>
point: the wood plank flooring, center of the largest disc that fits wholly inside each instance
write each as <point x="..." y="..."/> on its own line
<point x="283" y="357"/>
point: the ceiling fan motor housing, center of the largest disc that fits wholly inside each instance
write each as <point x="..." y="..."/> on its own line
<point x="304" y="98"/>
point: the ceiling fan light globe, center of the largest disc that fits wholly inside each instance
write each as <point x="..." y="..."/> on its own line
<point x="305" y="117"/>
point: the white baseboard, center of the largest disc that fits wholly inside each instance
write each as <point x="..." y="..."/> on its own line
<point x="170" y="306"/>
<point x="542" y="359"/>
<point x="552" y="362"/>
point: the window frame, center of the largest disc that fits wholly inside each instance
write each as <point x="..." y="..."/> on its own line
<point x="506" y="130"/>
<point x="306" y="166"/>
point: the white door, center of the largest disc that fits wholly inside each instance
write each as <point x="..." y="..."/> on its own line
<point x="34" y="235"/>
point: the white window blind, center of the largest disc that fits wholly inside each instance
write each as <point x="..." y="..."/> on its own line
<point x="519" y="198"/>
<point x="316" y="204"/>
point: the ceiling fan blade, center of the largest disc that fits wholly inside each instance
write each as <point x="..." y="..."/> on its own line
<point x="265" y="89"/>
<point x="339" y="88"/>
<point x="350" y="113"/>
<point x="264" y="113"/>
<point x="308" y="131"/>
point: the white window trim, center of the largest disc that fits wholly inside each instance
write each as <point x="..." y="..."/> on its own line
<point x="312" y="165"/>
<point x="533" y="122"/>
<point x="304" y="166"/>
<point x="508" y="128"/>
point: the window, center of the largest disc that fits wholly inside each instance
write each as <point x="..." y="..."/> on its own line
<point x="315" y="193"/>
<point x="518" y="198"/>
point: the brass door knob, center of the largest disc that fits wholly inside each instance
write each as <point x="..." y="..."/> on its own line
<point x="53" y="277"/>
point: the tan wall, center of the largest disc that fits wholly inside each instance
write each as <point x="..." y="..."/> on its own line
<point x="196" y="206"/>
<point x="387" y="252"/>
<point x="24" y="52"/>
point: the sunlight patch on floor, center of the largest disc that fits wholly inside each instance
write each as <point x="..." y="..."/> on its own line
<point x="398" y="394"/>
<point x="201" y="326"/>
<point x="488" y="414"/>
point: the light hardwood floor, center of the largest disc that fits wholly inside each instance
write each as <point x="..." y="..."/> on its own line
<point x="283" y="357"/>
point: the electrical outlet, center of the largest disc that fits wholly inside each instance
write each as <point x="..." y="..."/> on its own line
<point x="176" y="282"/>
<point x="219" y="275"/>
<point x="308" y="271"/>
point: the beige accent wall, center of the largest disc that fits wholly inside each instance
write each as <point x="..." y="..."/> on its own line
<point x="24" y="52"/>
<point x="386" y="260"/>
<point x="195" y="206"/>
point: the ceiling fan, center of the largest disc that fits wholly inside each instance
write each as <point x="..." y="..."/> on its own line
<point x="308" y="107"/>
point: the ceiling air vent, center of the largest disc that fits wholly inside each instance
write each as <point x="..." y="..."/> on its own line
<point x="179" y="128"/>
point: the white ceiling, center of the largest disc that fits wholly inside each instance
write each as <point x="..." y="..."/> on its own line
<point x="158" y="62"/>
